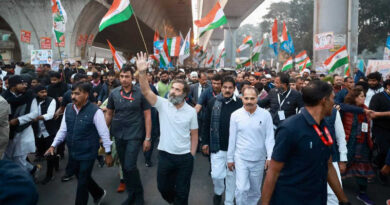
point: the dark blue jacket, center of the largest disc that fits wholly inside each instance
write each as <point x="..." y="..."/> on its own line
<point x="82" y="136"/>
<point x="330" y="120"/>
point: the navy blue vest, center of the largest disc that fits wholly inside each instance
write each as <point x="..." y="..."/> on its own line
<point x="82" y="136"/>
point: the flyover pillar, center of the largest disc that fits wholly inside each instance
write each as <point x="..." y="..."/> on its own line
<point x="343" y="22"/>
<point x="230" y="41"/>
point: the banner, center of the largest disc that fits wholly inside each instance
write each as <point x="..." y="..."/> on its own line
<point x="323" y="41"/>
<point x="41" y="57"/>
<point x="62" y="44"/>
<point x="45" y="43"/>
<point x="25" y="36"/>
<point x="382" y="66"/>
<point x="90" y="39"/>
<point x="82" y="40"/>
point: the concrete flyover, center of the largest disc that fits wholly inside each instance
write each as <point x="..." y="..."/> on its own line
<point x="235" y="11"/>
<point x="168" y="17"/>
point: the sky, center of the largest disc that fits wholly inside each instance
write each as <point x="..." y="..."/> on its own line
<point x="257" y="15"/>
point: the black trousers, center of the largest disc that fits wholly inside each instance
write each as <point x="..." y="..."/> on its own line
<point x="52" y="161"/>
<point x="174" y="177"/>
<point x="128" y="153"/>
<point x="83" y="169"/>
<point x="382" y="143"/>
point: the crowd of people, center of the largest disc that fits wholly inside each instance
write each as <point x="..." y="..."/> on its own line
<point x="304" y="132"/>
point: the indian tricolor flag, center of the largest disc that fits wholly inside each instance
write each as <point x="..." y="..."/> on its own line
<point x="246" y="43"/>
<point x="214" y="19"/>
<point x="210" y="62"/>
<point x="174" y="46"/>
<point x="300" y="57"/>
<point x="119" y="11"/>
<point x="221" y="55"/>
<point x="304" y="64"/>
<point x="288" y="64"/>
<point x="255" y="56"/>
<point x="337" y="60"/>
<point x="164" y="54"/>
<point x="119" y="60"/>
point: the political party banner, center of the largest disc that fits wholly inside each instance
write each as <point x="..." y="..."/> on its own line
<point x="339" y="41"/>
<point x="82" y="40"/>
<point x="45" y="43"/>
<point x="382" y="66"/>
<point x="323" y="41"/>
<point x="90" y="39"/>
<point x="25" y="36"/>
<point x="62" y="44"/>
<point x="41" y="57"/>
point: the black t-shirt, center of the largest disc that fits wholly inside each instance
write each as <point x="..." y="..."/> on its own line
<point x="380" y="102"/>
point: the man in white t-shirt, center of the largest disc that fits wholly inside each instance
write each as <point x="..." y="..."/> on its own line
<point x="178" y="138"/>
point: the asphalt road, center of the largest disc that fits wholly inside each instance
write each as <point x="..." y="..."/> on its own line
<point x="201" y="193"/>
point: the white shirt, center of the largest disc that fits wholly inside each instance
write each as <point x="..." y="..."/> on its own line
<point x="251" y="136"/>
<point x="340" y="137"/>
<point x="100" y="124"/>
<point x="370" y="93"/>
<point x="200" y="90"/>
<point x="48" y="116"/>
<point x="175" y="126"/>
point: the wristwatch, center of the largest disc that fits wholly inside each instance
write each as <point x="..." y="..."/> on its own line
<point x="148" y="138"/>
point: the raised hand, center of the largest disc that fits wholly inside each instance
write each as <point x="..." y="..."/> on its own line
<point x="142" y="62"/>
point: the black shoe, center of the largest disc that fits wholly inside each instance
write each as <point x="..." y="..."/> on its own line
<point x="217" y="199"/>
<point x="66" y="178"/>
<point x="47" y="180"/>
<point x="148" y="163"/>
<point x="100" y="199"/>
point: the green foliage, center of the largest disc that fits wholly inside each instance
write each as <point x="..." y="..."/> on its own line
<point x="374" y="24"/>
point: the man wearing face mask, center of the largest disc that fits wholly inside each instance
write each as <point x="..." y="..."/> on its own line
<point x="216" y="139"/>
<point x="178" y="139"/>
<point x="282" y="101"/>
<point x="251" y="140"/>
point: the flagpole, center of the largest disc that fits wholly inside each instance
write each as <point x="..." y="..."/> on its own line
<point x="142" y="36"/>
<point x="250" y="58"/>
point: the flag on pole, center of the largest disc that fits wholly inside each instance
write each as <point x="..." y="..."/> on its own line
<point x="164" y="55"/>
<point x="337" y="60"/>
<point x="174" y="46"/>
<point x="59" y="20"/>
<point x="288" y="64"/>
<point x="119" y="11"/>
<point x="253" y="58"/>
<point x="300" y="57"/>
<point x="119" y="60"/>
<point x="304" y="64"/>
<point x="274" y="37"/>
<point x="210" y="62"/>
<point x="287" y="43"/>
<point x="246" y="43"/>
<point x="156" y="38"/>
<point x="221" y="55"/>
<point x="185" y="48"/>
<point x="214" y="19"/>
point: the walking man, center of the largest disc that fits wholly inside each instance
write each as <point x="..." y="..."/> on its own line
<point x="216" y="139"/>
<point x="301" y="162"/>
<point x="178" y="139"/>
<point x="128" y="113"/>
<point x="81" y="127"/>
<point x="251" y="140"/>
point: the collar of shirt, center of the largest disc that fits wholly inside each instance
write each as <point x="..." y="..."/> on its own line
<point x="309" y="119"/>
<point x="132" y="90"/>
<point x="254" y="113"/>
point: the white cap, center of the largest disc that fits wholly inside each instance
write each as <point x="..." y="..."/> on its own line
<point x="182" y="70"/>
<point x="268" y="76"/>
<point x="306" y="71"/>
<point x="193" y="74"/>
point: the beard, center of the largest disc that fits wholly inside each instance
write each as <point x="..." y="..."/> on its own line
<point x="165" y="81"/>
<point x="175" y="100"/>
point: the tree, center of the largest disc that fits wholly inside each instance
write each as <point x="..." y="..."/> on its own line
<point x="298" y="15"/>
<point x="374" y="24"/>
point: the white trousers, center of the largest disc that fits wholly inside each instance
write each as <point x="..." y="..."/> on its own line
<point x="221" y="175"/>
<point x="21" y="161"/>
<point x="332" y="198"/>
<point x="249" y="175"/>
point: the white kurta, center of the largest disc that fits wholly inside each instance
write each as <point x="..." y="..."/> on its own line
<point x="24" y="142"/>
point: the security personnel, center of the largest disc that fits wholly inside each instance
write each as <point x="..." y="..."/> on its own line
<point x="301" y="163"/>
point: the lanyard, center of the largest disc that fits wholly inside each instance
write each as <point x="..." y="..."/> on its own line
<point x="127" y="98"/>
<point x="328" y="142"/>
<point x="281" y="103"/>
